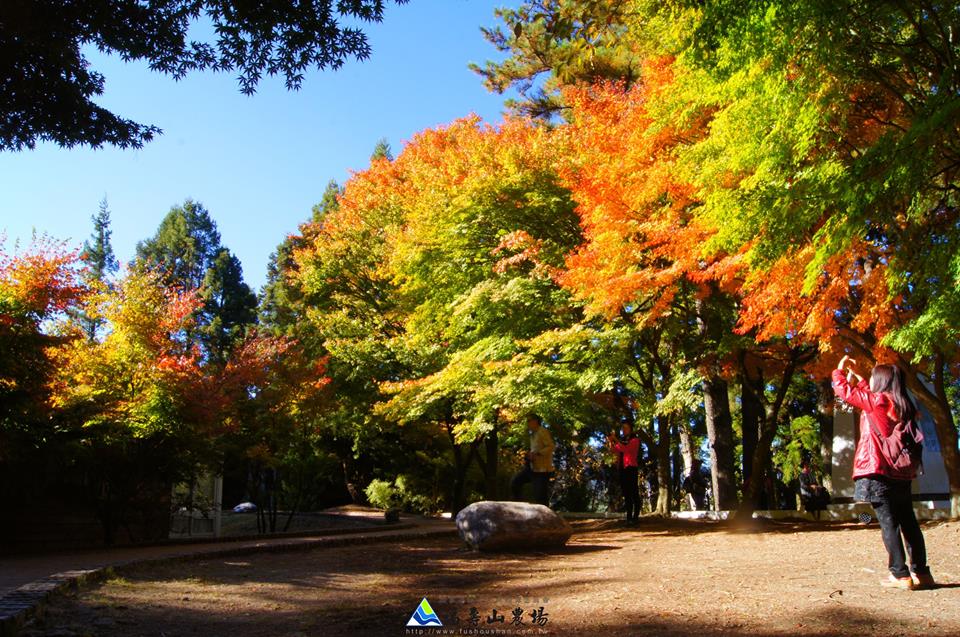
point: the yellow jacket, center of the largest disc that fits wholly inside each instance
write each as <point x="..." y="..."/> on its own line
<point x="541" y="451"/>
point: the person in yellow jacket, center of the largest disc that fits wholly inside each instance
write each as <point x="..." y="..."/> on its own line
<point x="538" y="467"/>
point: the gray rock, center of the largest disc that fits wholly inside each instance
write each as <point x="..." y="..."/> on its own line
<point x="498" y="526"/>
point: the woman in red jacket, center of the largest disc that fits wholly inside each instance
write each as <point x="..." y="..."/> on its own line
<point x="630" y="449"/>
<point x="885" y="402"/>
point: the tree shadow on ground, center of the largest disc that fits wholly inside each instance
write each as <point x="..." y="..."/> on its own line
<point x="365" y="592"/>
<point x="429" y="564"/>
<point x="569" y="549"/>
<point x="670" y="527"/>
<point x="832" y="621"/>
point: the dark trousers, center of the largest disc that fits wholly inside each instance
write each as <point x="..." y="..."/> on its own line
<point x="539" y="481"/>
<point x="631" y="492"/>
<point x="898" y="525"/>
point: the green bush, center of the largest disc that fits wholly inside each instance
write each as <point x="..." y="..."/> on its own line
<point x="410" y="500"/>
<point x="803" y="440"/>
<point x="401" y="493"/>
<point x="381" y="494"/>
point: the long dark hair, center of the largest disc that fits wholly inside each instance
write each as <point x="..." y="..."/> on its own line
<point x="888" y="379"/>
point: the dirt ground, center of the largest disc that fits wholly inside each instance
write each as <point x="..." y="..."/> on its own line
<point x="658" y="578"/>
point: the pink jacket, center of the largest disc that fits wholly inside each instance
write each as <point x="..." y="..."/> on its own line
<point x="867" y="459"/>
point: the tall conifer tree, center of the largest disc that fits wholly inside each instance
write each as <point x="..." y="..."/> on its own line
<point x="100" y="260"/>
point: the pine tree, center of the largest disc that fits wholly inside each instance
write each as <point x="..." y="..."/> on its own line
<point x="382" y="150"/>
<point x="330" y="200"/>
<point x="185" y="245"/>
<point x="101" y="263"/>
<point x="187" y="252"/>
<point x="230" y="304"/>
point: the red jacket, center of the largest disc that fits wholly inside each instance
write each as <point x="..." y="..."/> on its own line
<point x="630" y="450"/>
<point x="867" y="459"/>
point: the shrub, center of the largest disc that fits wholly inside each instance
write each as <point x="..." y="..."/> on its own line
<point x="381" y="494"/>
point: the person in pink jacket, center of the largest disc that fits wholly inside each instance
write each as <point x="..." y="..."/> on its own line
<point x="884" y="401"/>
<point x="629" y="447"/>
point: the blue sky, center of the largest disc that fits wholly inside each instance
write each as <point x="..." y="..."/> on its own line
<point x="258" y="164"/>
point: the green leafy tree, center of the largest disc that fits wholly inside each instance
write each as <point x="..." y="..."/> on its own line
<point x="833" y="127"/>
<point x="271" y="391"/>
<point x="281" y="308"/>
<point x="348" y="304"/>
<point x="428" y="275"/>
<point x="137" y="403"/>
<point x="486" y="224"/>
<point x="313" y="438"/>
<point x="50" y="87"/>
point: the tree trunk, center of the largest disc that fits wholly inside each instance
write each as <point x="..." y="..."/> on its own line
<point x="751" y="412"/>
<point x="645" y="476"/>
<point x="650" y="477"/>
<point x="761" y="465"/>
<point x="935" y="400"/>
<point x="683" y="465"/>
<point x="355" y="494"/>
<point x="459" y="477"/>
<point x="716" y="403"/>
<point x="460" y="466"/>
<point x="663" y="466"/>
<point x="687" y="451"/>
<point x="271" y="485"/>
<point x="492" y="464"/>
<point x="825" y="417"/>
<point x="297" y="498"/>
<point x="768" y="430"/>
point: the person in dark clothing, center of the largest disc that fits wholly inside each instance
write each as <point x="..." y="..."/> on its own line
<point x="629" y="449"/>
<point x="813" y="495"/>
<point x="695" y="484"/>
<point x="884" y="402"/>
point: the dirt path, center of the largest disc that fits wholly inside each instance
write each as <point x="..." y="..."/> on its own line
<point x="661" y="578"/>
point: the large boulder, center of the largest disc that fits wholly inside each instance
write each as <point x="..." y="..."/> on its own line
<point x="498" y="526"/>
